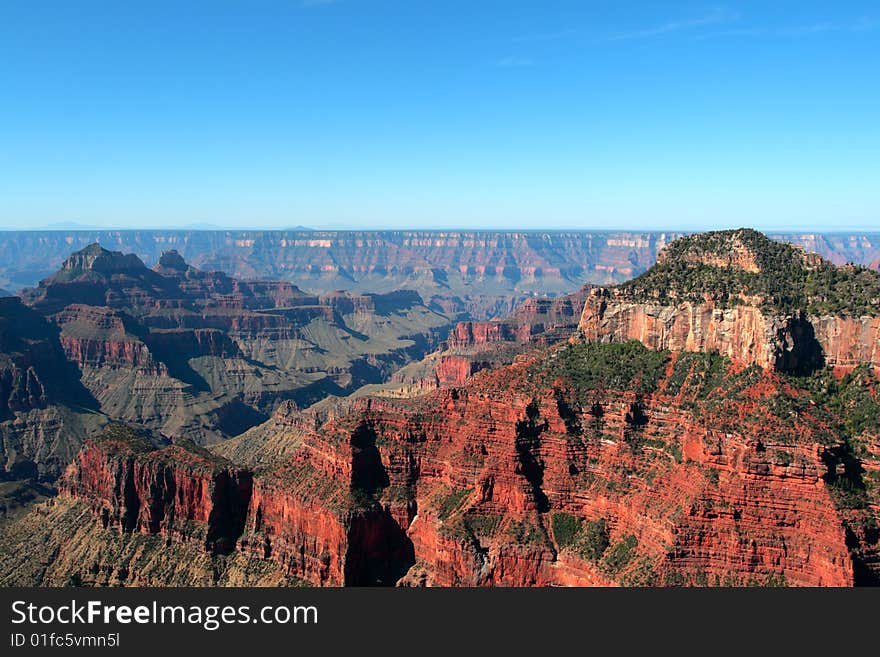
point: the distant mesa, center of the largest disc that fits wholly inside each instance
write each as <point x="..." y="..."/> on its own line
<point x="70" y="225"/>
<point x="203" y="226"/>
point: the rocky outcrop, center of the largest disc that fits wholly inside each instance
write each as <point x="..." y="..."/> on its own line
<point x="536" y="321"/>
<point x="737" y="254"/>
<point x="848" y="342"/>
<point x="469" y="334"/>
<point x="181" y="494"/>
<point x="474" y="346"/>
<point x="60" y="544"/>
<point x="189" y="497"/>
<point x="738" y="294"/>
<point x="456" y="370"/>
<point x="30" y="358"/>
<point x="662" y="446"/>
<point x="21" y="389"/>
<point x="87" y="352"/>
<point x="98" y="336"/>
<point x="195" y="343"/>
<point x="743" y="332"/>
<point x="44" y="410"/>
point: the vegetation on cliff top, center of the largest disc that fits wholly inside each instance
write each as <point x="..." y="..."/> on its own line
<point x="616" y="366"/>
<point x="729" y="265"/>
<point x="708" y="385"/>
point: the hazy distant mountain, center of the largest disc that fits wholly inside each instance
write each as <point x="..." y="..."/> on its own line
<point x="203" y="226"/>
<point x="70" y="225"/>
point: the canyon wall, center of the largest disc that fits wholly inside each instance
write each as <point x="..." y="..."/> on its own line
<point x="501" y="481"/>
<point x="848" y="342"/>
<point x="206" y="356"/>
<point x="746" y="333"/>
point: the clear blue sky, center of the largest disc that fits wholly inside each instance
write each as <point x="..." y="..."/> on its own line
<point x="440" y="113"/>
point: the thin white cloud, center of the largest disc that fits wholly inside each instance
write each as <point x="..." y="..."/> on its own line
<point x="864" y="24"/>
<point x="308" y="4"/>
<point x="716" y="16"/>
<point x="514" y="62"/>
<point x="806" y="30"/>
<point x="546" y="36"/>
<point x="795" y="31"/>
<point x="709" y="25"/>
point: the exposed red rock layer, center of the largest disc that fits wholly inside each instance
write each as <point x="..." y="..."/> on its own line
<point x="173" y="492"/>
<point x="460" y="488"/>
<point x="474" y="346"/>
<point x="538" y="321"/>
<point x="848" y="342"/>
<point x="563" y="464"/>
<point x="742" y="332"/>
<point x="174" y="348"/>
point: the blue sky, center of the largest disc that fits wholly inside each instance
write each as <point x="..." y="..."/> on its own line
<point x="440" y="113"/>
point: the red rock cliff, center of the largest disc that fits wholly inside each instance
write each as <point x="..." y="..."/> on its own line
<point x="744" y="332"/>
<point x="174" y="492"/>
<point x="468" y="485"/>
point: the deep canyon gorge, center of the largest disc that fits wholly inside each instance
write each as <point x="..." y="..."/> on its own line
<point x="456" y="409"/>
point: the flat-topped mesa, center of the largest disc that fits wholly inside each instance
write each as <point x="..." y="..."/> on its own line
<point x="747" y="297"/>
<point x="347" y="303"/>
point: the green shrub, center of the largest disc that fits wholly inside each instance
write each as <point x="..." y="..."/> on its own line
<point x="565" y="528"/>
<point x="592" y="366"/>
<point x="594" y="540"/>
<point x="452" y="501"/>
<point x="619" y="555"/>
